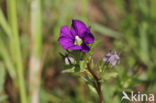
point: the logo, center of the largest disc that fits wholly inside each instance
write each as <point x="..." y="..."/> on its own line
<point x="137" y="97"/>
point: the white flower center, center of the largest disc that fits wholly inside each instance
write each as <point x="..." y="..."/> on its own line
<point x="78" y="40"/>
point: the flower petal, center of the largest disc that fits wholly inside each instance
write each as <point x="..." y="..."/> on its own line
<point x="88" y="38"/>
<point x="105" y="59"/>
<point x="65" y="42"/>
<point x="73" y="31"/>
<point x="109" y="54"/>
<point x="113" y="62"/>
<point x="116" y="55"/>
<point x="79" y="27"/>
<point x="65" y="32"/>
<point x="76" y="47"/>
<point x="85" y="48"/>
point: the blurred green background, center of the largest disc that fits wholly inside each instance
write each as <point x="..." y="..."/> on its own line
<point x="30" y="64"/>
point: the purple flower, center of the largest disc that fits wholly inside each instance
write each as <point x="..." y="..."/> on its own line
<point x="77" y="38"/>
<point x="111" y="58"/>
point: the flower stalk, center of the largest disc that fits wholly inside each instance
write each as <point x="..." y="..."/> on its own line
<point x="97" y="83"/>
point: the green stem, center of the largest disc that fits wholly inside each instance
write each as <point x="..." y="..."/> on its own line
<point x="4" y="24"/>
<point x="4" y="53"/>
<point x="36" y="48"/>
<point x="6" y="57"/>
<point x="12" y="16"/>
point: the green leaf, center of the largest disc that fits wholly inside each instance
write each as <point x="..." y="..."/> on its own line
<point x="153" y="8"/>
<point x="92" y="88"/>
<point x="86" y="79"/>
<point x="106" y="31"/>
<point x="83" y="65"/>
<point x="6" y="58"/>
<point x="2" y="76"/>
<point x="143" y="77"/>
<point x="4" y="24"/>
<point x="69" y="70"/>
<point x="110" y="75"/>
<point x="144" y="50"/>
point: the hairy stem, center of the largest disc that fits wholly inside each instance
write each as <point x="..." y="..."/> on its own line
<point x="98" y="84"/>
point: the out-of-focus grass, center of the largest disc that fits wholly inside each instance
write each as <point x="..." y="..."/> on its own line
<point x="130" y="29"/>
